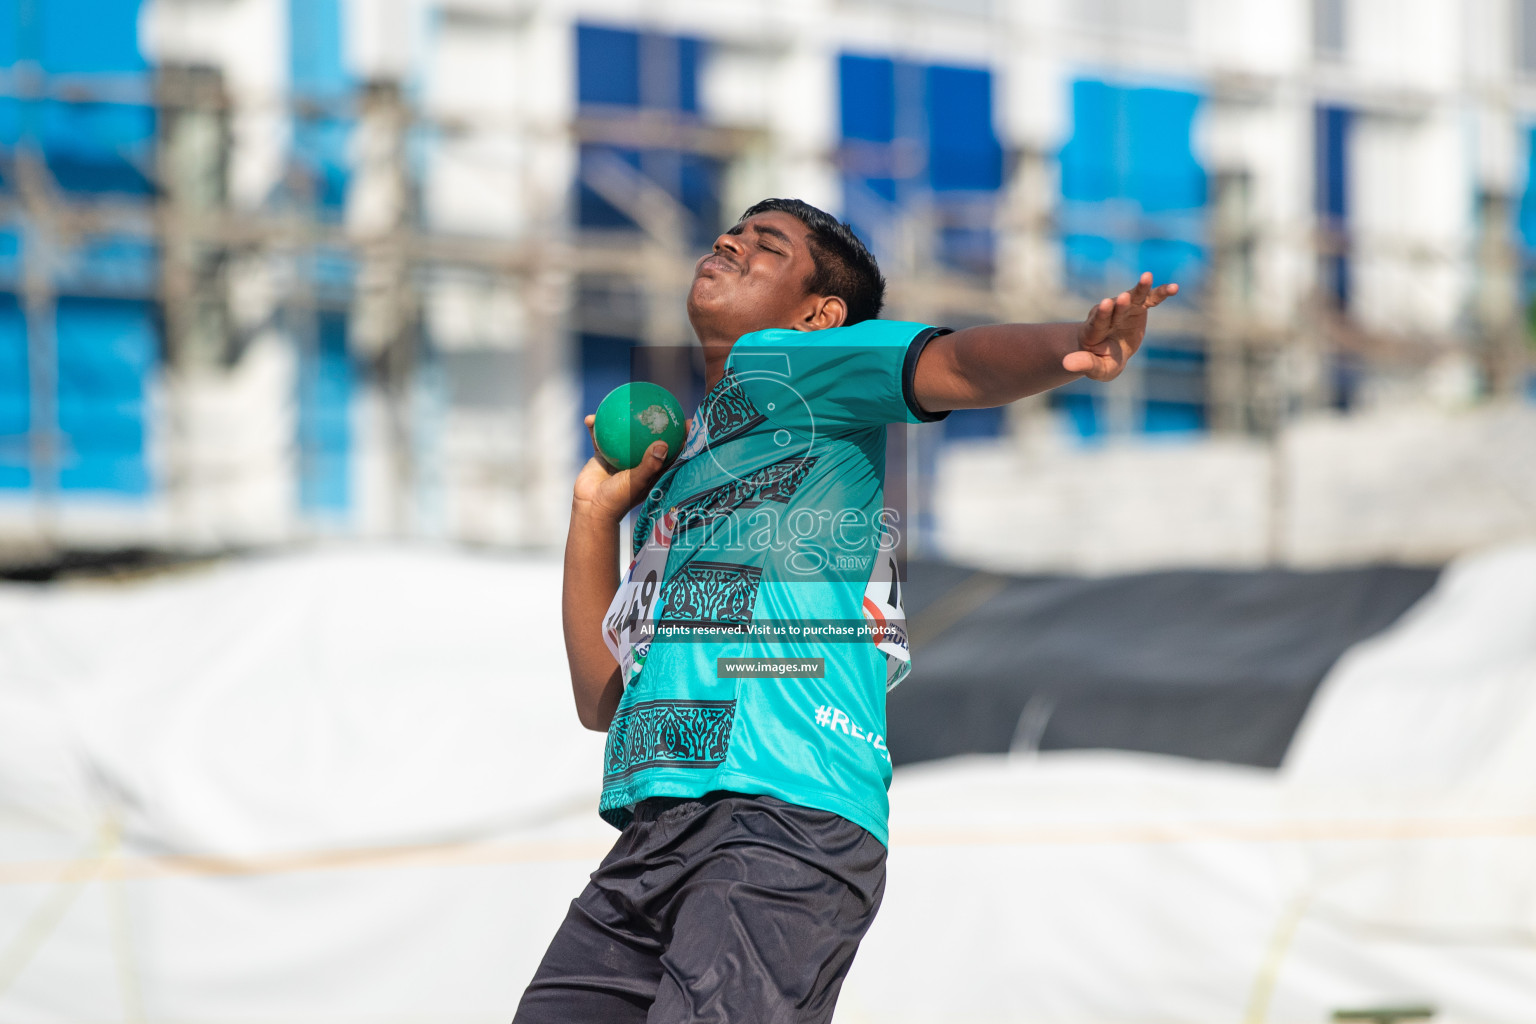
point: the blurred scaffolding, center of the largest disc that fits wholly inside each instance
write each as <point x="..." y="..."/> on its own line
<point x="278" y="269"/>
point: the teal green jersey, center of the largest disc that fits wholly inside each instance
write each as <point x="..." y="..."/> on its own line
<point x="760" y="626"/>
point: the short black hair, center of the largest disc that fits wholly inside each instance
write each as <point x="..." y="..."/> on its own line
<point x="844" y="267"/>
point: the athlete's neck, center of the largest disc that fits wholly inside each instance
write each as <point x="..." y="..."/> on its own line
<point x="715" y="355"/>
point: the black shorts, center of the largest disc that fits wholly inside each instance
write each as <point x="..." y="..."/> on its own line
<point x="729" y="908"/>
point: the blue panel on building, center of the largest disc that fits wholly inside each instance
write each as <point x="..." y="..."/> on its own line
<point x="624" y="68"/>
<point x="334" y="273"/>
<point x="942" y="115"/>
<point x="1173" y="385"/>
<point x="1134" y="199"/>
<point x="1172" y="259"/>
<point x="106" y="354"/>
<point x="1163" y="173"/>
<point x="607" y="66"/>
<point x="1092" y="159"/>
<point x="15" y="397"/>
<point x="86" y="36"/>
<point x="920" y="133"/>
<point x="318" y="74"/>
<point x="107" y="351"/>
<point x="692" y="180"/>
<point x="867" y="97"/>
<point x="315" y="66"/>
<point x="326" y="384"/>
<point x="115" y="264"/>
<point x="690" y="54"/>
<point x="1160" y="417"/>
<point x="320" y="146"/>
<point x="698" y="189"/>
<point x="1086" y="256"/>
<point x="1528" y="198"/>
<point x="973" y="423"/>
<point x="1133" y="193"/>
<point x="963" y="151"/>
<point x="10" y="260"/>
<point x="1171" y="400"/>
<point x="1331" y="192"/>
<point x="1132" y="143"/>
<point x="867" y="108"/>
<point x="1080" y="412"/>
<point x="100" y="142"/>
<point x="96" y="147"/>
<point x="606" y="362"/>
<point x="10" y="31"/>
<point x="592" y="209"/>
<point x="1526" y="228"/>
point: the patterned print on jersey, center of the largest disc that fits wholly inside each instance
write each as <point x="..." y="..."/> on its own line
<point x="728" y="412"/>
<point x="711" y="594"/>
<point x="776" y="483"/>
<point x="669" y="733"/>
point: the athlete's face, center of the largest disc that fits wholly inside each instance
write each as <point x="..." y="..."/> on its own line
<point x="754" y="279"/>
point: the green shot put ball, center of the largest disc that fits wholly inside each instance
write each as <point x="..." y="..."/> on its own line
<point x="633" y="417"/>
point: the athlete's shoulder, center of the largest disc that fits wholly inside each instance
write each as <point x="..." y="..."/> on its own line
<point x="865" y="332"/>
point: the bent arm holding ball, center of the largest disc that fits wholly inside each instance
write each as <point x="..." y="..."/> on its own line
<point x="981" y="367"/>
<point x="599" y="503"/>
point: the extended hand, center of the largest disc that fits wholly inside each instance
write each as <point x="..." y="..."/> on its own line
<point x="1113" y="331"/>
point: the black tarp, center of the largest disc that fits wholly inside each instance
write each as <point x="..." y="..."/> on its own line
<point x="1204" y="664"/>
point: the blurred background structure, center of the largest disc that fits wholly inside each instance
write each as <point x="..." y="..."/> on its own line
<point x="1223" y="705"/>
<point x="279" y="269"/>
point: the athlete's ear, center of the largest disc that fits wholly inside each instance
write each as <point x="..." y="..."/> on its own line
<point x="823" y="311"/>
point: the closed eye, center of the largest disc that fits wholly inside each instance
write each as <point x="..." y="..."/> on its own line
<point x="764" y="234"/>
<point x="760" y="233"/>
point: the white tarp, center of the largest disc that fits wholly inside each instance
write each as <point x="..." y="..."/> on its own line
<point x="1391" y="862"/>
<point x="348" y="786"/>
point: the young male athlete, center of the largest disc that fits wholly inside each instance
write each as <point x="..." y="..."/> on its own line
<point x="751" y="794"/>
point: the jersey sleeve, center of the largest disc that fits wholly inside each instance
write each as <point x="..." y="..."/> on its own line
<point x="840" y="379"/>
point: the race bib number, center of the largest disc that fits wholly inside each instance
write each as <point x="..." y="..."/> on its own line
<point x="630" y="623"/>
<point x="887" y="618"/>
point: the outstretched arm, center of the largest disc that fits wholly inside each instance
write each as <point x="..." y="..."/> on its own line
<point x="996" y="364"/>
